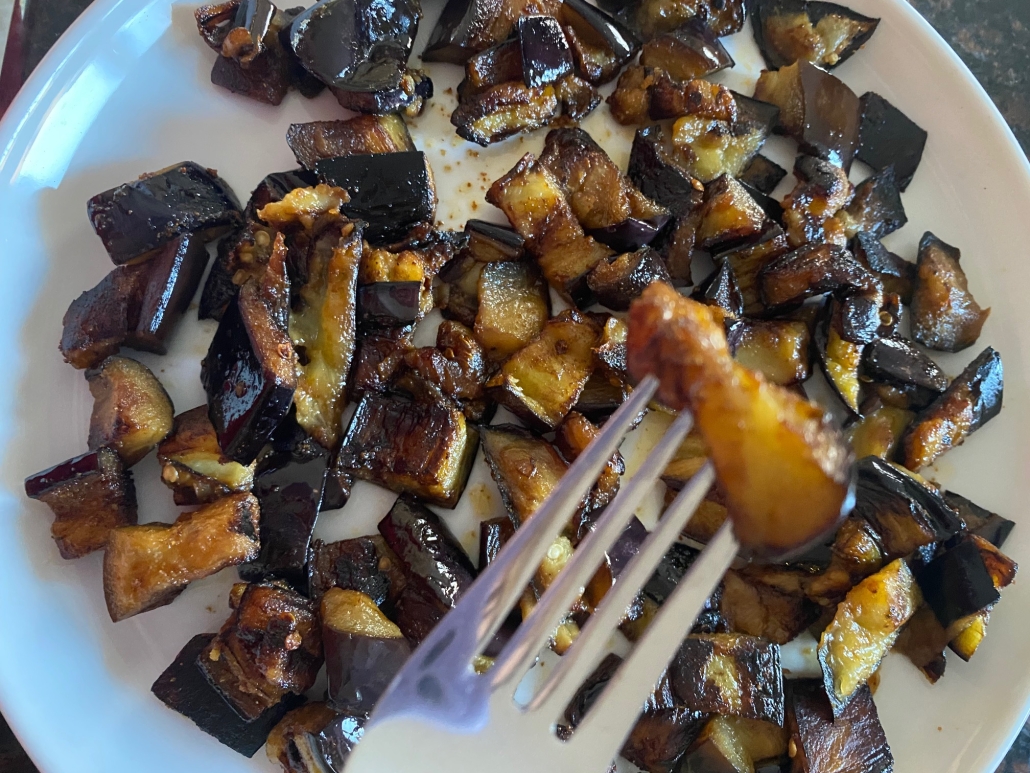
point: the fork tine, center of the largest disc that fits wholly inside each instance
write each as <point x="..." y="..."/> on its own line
<point x="609" y="722"/>
<point x="534" y="632"/>
<point x="586" y="651"/>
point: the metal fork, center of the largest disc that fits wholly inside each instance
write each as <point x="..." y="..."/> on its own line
<point x="440" y="716"/>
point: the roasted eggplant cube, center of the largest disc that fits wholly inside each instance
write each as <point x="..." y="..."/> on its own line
<point x="365" y="564"/>
<point x="757" y="608"/>
<point x="899" y="361"/>
<point x="863" y="630"/>
<point x="616" y="282"/>
<point x="250" y="373"/>
<point x="138" y="217"/>
<point x="762" y="175"/>
<point x="814" y="269"/>
<point x="729" y="216"/>
<point x="311" y="718"/>
<point x="193" y="466"/>
<point x="363" y="134"/>
<point x="425" y="449"/>
<point x="779" y="349"/>
<point x="391" y="192"/>
<point x="957" y="583"/>
<point x="407" y="92"/>
<point x="889" y="138"/>
<point x="840" y="358"/>
<point x="731" y="675"/>
<point x="979" y="520"/>
<point x="825" y="34"/>
<point x="971" y="400"/>
<point x="468" y="26"/>
<point x="904" y="513"/>
<point x="711" y="147"/>
<point x="686" y="53"/>
<point x="542" y="381"/>
<point x="90" y="495"/>
<point x="514" y="305"/>
<point x="876" y="208"/>
<point x="268" y="648"/>
<point x="492" y="243"/>
<point x="148" y="566"/>
<point x="363" y="650"/>
<point x="653" y="168"/>
<point x="896" y="274"/>
<point x="945" y="316"/>
<point x="852" y="742"/>
<point x="747" y="262"/>
<point x="505" y="110"/>
<point x="816" y="108"/>
<point x="731" y="745"/>
<point x="546" y="57"/>
<point x="184" y="688"/>
<point x="132" y="412"/>
<point x="720" y="289"/>
<point x="600" y="44"/>
<point x="275" y="186"/>
<point x="879" y="430"/>
<point x="266" y="78"/>
<point x="498" y="64"/>
<point x="510" y="451"/>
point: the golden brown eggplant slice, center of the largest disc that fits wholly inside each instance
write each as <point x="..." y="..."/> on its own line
<point x="753" y="607"/>
<point x="525" y="468"/>
<point x="630" y="103"/>
<point x="784" y="468"/>
<point x="492" y="67"/>
<point x="542" y="381"/>
<point x="147" y="566"/>
<point x="571" y="439"/>
<point x="311" y="142"/>
<point x="270" y="646"/>
<point x="809" y="210"/>
<point x="825" y="34"/>
<point x="616" y="282"/>
<point x="879" y="431"/>
<point x="671" y="99"/>
<point x="513" y="306"/>
<point x="735" y="745"/>
<point x="426" y="449"/>
<point x="776" y="348"/>
<point x="711" y="148"/>
<point x="90" y="495"/>
<point x="656" y="16"/>
<point x="132" y="412"/>
<point x="945" y="316"/>
<point x="686" y="53"/>
<point x="971" y="400"/>
<point x="841" y="359"/>
<point x="309" y="718"/>
<point x="729" y="216"/>
<point x="864" y="628"/>
<point x="504" y="110"/>
<point x="747" y="262"/>
<point x="890" y="138"/>
<point x="814" y="269"/>
<point x="194" y="467"/>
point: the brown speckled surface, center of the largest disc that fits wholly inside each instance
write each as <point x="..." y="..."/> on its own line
<point x="991" y="36"/>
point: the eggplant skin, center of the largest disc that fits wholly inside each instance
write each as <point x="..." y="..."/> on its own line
<point x="136" y="218"/>
<point x="468" y="26"/>
<point x="192" y="464"/>
<point x="309" y="718"/>
<point x="890" y="138"/>
<point x="411" y="447"/>
<point x="184" y="688"/>
<point x="615" y="283"/>
<point x="505" y="110"/>
<point x="90" y="495"/>
<point x="510" y="451"/>
<point x="365" y="564"/>
<point x="825" y="34"/>
<point x="312" y="142"/>
<point x="945" y="316"/>
<point x="969" y="402"/>
<point x="958" y="584"/>
<point x="546" y="57"/>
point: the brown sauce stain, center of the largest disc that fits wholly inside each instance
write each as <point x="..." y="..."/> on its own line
<point x="482" y="500"/>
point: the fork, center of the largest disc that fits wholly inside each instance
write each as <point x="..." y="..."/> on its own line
<point x="439" y="716"/>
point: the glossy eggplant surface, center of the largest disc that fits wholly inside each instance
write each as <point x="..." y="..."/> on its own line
<point x="889" y="138"/>
<point x="825" y="34"/>
<point x="363" y="134"/>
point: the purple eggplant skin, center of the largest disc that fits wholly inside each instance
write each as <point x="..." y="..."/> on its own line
<point x="674" y="565"/>
<point x="329" y="749"/>
<point x="307" y="84"/>
<point x="957" y="583"/>
<point x="626" y="545"/>
<point x="654" y="171"/>
<point x="356" y="46"/>
<point x="219" y="288"/>
<point x="814" y="12"/>
<point x="391" y="192"/>
<point x="134" y="219"/>
<point x="493" y="534"/>
<point x="409" y="96"/>
<point x="275" y="186"/>
<point x="762" y="175"/>
<point x="601" y="45"/>
<point x="899" y="361"/>
<point x="184" y="688"/>
<point x="888" y="137"/>
<point x="360" y="668"/>
<point x="388" y="305"/>
<point x="546" y="56"/>
<point x="617" y="281"/>
<point x="979" y="520"/>
<point x="720" y="289"/>
<point x="489" y="242"/>
<point x="876" y="207"/>
<point x="631" y="234"/>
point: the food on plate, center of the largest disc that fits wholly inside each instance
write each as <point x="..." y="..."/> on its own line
<point x="888" y="137"/>
<point x="192" y="463"/>
<point x="825" y="34"/>
<point x="132" y="412"/>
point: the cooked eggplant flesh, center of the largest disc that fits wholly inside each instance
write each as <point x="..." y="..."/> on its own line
<point x="363" y="134"/>
<point x="525" y="468"/>
<point x="311" y="718"/>
<point x="778" y="349"/>
<point x="571" y="439"/>
<point x="409" y="96"/>
<point x="686" y="53"/>
<point x="656" y="16"/>
<point x="957" y="583"/>
<point x="513" y="307"/>
<point x="90" y="496"/>
<point x="972" y="399"/>
<point x="541" y="382"/>
<point x="148" y="566"/>
<point x="794" y="460"/>
<point x="184" y="688"/>
<point x="979" y="520"/>
<point x="492" y="243"/>
<point x="747" y="262"/>
<point x="945" y="316"/>
<point x="193" y="466"/>
<point x="655" y="170"/>
<point x="879" y="431"/>
<point x="670" y="98"/>
<point x="498" y="64"/>
<point x="411" y="447"/>
<point x="734" y="745"/>
<point x="132" y="412"/>
<point x="135" y="219"/>
<point x="889" y="138"/>
<point x="811" y="212"/>
<point x="814" y="269"/>
<point x="750" y="606"/>
<point x="841" y="359"/>
<point x="825" y="34"/>
<point x="219" y="288"/>
<point x="712" y="147"/>
<point x="465" y="27"/>
<point x="504" y="110"/>
<point x="729" y="216"/>
<point x="264" y="72"/>
<point x="876" y="208"/>
<point x="922" y="641"/>
<point x="615" y="283"/>
<point x="601" y="45"/>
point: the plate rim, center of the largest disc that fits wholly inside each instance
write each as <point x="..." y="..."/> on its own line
<point x="71" y="53"/>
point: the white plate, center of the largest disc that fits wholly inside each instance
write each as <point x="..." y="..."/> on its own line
<point x="127" y="90"/>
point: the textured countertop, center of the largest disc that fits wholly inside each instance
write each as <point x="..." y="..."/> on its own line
<point x="991" y="36"/>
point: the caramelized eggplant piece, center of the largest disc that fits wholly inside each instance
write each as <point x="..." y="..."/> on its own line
<point x="720" y="289"/>
<point x="979" y="520"/>
<point x="546" y="57"/>
<point x="879" y="430"/>
<point x="437" y="569"/>
<point x="241" y="256"/>
<point x="747" y="262"/>
<point x="311" y="718"/>
<point x="809" y="210"/>
<point x="457" y="293"/>
<point x="762" y="175"/>
<point x="184" y="688"/>
<point x="616" y="282"/>
<point x="602" y="395"/>
<point x="468" y="26"/>
<point x="670" y="98"/>
<point x="493" y="535"/>
<point x="851" y="742"/>
<point x="795" y="481"/>
<point x="148" y="566"/>
<point x="711" y="147"/>
<point x="957" y="583"/>
<point x="132" y="412"/>
<point x="778" y="349"/>
<point x="275" y="186"/>
<point x="889" y="138"/>
<point x="571" y="439"/>
<point x="904" y="513"/>
<point x="363" y="650"/>
<point x="971" y="400"/>
<point x="193" y="466"/>
<point x="722" y="18"/>
<point x="219" y="288"/>
<point x="413" y="90"/>
<point x="330" y="748"/>
<point x="391" y="192"/>
<point x="751" y="606"/>
<point x="600" y="45"/>
<point x="542" y="381"/>
<point x="498" y="64"/>
<point x="514" y="306"/>
<point x="654" y="169"/>
<point x="505" y="110"/>
<point x="688" y="459"/>
<point x="841" y="359"/>
<point x="816" y="109"/>
<point x="922" y="641"/>
<point x="578" y="98"/>
<point x="135" y="305"/>
<point x="90" y="495"/>
<point x="734" y="745"/>
<point x="814" y="269"/>
<point x="973" y="628"/>
<point x="825" y="34"/>
<point x="492" y="243"/>
<point x="686" y="53"/>
<point x="896" y="274"/>
<point x="135" y="219"/>
<point x="395" y="290"/>
<point x="420" y="448"/>
<point x="249" y="373"/>
<point x="525" y="468"/>
<point x="630" y="103"/>
<point x="631" y="234"/>
<point x="863" y="630"/>
<point x="365" y="564"/>
<point x="361" y="135"/>
<point x="898" y="361"/>
<point x="729" y="215"/>
<point x="731" y="675"/>
<point x="876" y="208"/>
<point x="945" y="316"/>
